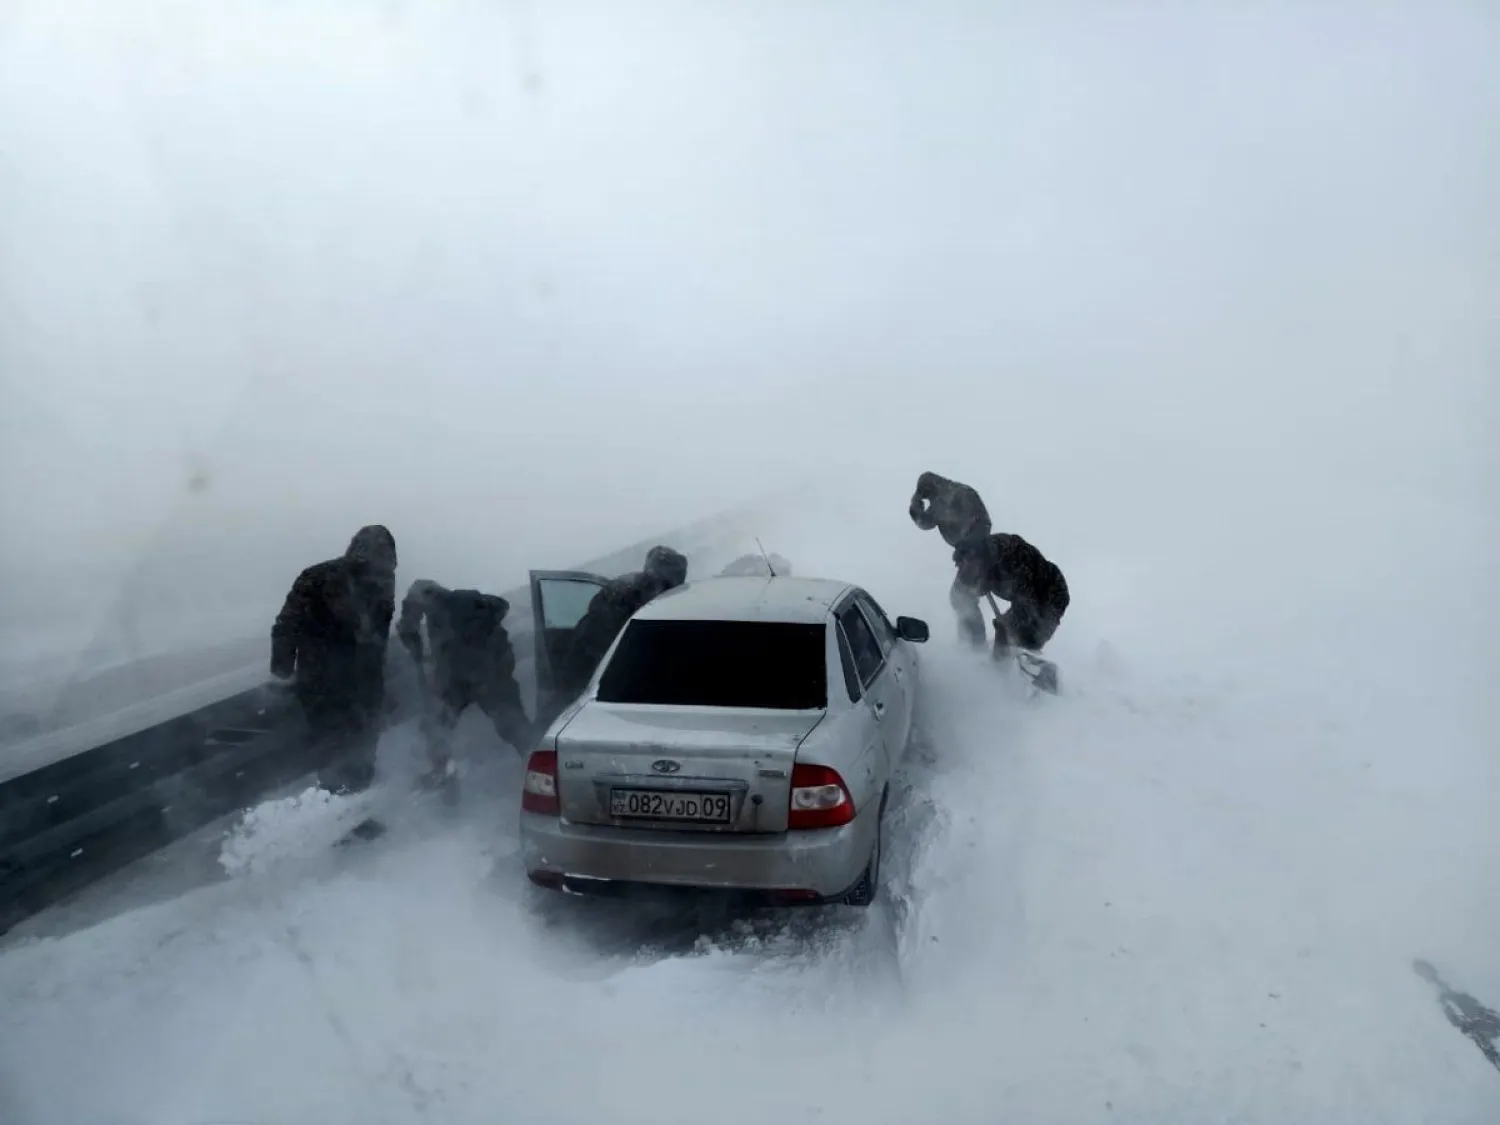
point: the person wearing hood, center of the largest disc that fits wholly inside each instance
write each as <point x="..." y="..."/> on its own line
<point x="959" y="515"/>
<point x="471" y="661"/>
<point x="330" y="641"/>
<point x="611" y="608"/>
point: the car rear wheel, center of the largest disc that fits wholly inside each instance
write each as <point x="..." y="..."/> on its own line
<point x="863" y="892"/>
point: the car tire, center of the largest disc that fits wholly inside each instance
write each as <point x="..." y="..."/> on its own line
<point x="863" y="893"/>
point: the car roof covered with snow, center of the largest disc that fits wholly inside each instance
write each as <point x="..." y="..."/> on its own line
<point x="746" y="599"/>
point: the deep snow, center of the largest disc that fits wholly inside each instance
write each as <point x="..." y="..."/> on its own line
<point x="1198" y="297"/>
<point x="1175" y="893"/>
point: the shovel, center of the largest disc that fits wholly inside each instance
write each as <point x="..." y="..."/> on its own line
<point x="1040" y="671"/>
<point x="444" y="777"/>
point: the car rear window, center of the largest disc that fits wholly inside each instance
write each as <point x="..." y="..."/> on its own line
<point x="780" y="666"/>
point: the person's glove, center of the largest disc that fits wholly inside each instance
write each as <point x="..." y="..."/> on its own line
<point x="441" y="770"/>
<point x="919" y="513"/>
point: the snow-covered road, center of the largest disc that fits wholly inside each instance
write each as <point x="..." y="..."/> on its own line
<point x="1184" y="895"/>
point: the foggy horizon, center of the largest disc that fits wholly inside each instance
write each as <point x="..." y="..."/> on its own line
<point x="465" y="270"/>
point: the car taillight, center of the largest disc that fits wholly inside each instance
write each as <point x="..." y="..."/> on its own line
<point x="820" y="799"/>
<point x="539" y="793"/>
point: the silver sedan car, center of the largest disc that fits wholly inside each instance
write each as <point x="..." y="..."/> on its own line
<point x="740" y="735"/>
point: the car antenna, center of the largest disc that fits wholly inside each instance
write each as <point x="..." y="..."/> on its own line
<point x="765" y="556"/>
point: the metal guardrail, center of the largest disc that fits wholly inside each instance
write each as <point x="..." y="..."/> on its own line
<point x="85" y="816"/>
<point x="80" y="818"/>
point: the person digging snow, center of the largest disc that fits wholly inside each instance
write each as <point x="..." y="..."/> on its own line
<point x="471" y="661"/>
<point x="1011" y="569"/>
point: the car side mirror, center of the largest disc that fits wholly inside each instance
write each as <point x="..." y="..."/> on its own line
<point x="911" y="629"/>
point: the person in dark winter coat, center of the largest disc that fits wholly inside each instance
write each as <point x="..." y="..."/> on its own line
<point x="612" y="607"/>
<point x="472" y="661"/>
<point x="330" y="639"/>
<point x="959" y="515"/>
<point x="1009" y="568"/>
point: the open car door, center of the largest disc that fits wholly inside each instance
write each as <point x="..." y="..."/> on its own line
<point x="559" y="599"/>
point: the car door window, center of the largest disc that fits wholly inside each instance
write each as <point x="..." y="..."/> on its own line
<point x="868" y="658"/>
<point x="884" y="630"/>
<point x="564" y="601"/>
<point x="846" y="659"/>
<point x="559" y="600"/>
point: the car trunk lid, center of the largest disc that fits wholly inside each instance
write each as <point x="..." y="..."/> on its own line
<point x="702" y="769"/>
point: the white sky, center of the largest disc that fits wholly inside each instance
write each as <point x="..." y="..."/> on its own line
<point x="523" y="281"/>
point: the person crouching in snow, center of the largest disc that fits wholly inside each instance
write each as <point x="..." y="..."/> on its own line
<point x="472" y="661"/>
<point x="1007" y="567"/>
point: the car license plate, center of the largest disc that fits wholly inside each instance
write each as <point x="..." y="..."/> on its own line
<point x="649" y="804"/>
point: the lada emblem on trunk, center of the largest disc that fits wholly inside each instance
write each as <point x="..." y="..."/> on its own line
<point x="665" y="765"/>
